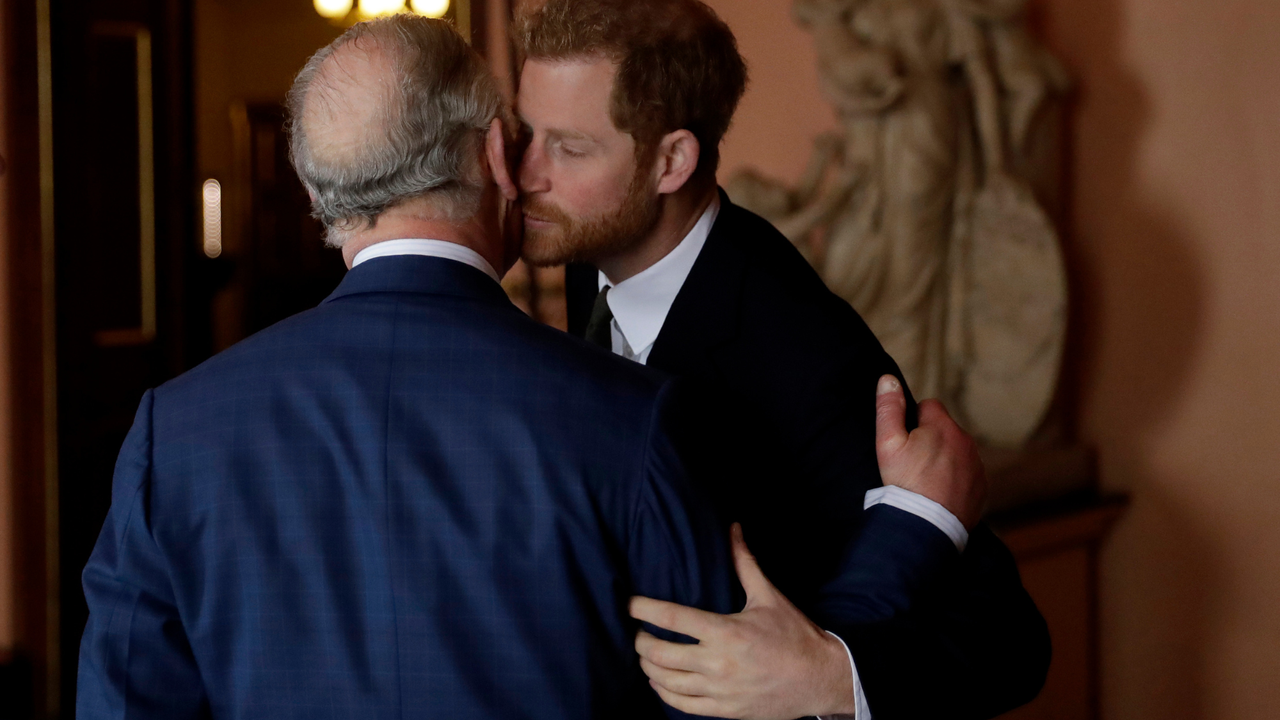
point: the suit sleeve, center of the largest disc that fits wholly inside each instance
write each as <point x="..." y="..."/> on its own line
<point x="967" y="630"/>
<point x="914" y="612"/>
<point x="135" y="659"/>
<point x="679" y="547"/>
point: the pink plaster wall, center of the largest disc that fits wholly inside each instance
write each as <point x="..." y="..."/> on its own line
<point x="783" y="109"/>
<point x="1174" y="251"/>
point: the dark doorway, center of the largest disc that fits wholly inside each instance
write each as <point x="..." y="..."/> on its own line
<point x="284" y="266"/>
<point x="130" y="308"/>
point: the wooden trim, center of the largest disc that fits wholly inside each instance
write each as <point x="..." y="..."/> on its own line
<point x="49" y="360"/>
<point x="478" y="11"/>
<point x="1081" y="526"/>
<point x="462" y="18"/>
<point x="33" y="458"/>
<point x="146" y="330"/>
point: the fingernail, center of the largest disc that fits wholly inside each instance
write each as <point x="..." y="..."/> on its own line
<point x="888" y="384"/>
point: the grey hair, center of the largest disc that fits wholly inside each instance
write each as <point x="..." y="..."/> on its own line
<point x="427" y="136"/>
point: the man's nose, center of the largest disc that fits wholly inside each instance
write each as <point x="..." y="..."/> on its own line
<point x="533" y="171"/>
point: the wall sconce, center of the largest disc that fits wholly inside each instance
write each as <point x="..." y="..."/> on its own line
<point x="211" y="195"/>
<point x="349" y="12"/>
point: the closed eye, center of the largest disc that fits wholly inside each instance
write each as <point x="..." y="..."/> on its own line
<point x="571" y="152"/>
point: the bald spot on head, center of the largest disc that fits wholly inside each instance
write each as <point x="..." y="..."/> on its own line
<point x="349" y="103"/>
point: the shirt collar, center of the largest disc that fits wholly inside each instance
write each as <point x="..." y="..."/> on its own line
<point x="429" y="248"/>
<point x="640" y="303"/>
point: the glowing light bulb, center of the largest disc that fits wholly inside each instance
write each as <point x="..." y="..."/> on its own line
<point x="333" y="9"/>
<point x="378" y="8"/>
<point x="430" y="8"/>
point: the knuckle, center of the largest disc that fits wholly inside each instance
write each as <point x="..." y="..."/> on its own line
<point x="669" y="617"/>
<point x="645" y="644"/>
<point x="661" y="656"/>
<point x="718" y="666"/>
<point x="682" y="685"/>
<point x="653" y="653"/>
<point x="661" y="617"/>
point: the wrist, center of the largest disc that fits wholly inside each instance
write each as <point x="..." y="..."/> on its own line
<point x="839" y="698"/>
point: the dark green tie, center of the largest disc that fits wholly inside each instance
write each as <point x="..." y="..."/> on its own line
<point x="599" y="327"/>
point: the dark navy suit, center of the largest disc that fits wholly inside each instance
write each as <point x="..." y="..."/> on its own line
<point x="411" y="501"/>
<point x="782" y="374"/>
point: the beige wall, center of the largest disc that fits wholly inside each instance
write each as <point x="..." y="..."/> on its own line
<point x="783" y="109"/>
<point x="1174" y="250"/>
<point x="1176" y="247"/>
<point x="6" y="486"/>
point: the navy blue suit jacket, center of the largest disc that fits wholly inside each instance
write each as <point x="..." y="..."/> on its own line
<point x="411" y="501"/>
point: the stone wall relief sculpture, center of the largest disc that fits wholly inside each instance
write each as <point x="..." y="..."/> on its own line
<point x="922" y="209"/>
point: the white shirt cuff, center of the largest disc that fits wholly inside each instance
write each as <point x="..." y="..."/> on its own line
<point x="862" y="710"/>
<point x="921" y="506"/>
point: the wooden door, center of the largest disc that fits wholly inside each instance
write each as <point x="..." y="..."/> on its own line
<point x="125" y="254"/>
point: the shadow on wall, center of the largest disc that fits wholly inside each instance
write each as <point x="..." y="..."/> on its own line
<point x="1137" y="320"/>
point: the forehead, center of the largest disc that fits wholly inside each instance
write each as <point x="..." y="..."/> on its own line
<point x="568" y="95"/>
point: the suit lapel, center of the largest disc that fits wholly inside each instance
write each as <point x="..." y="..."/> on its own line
<point x="705" y="314"/>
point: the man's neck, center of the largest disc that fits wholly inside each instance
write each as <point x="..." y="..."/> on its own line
<point x="680" y="211"/>
<point x="403" y="223"/>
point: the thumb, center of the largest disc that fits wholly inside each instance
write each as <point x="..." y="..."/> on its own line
<point x="891" y="418"/>
<point x="759" y="590"/>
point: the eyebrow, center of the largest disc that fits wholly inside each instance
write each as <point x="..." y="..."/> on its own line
<point x="571" y="135"/>
<point x="561" y="134"/>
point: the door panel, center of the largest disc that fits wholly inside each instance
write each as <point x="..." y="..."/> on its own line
<point x="121" y="184"/>
<point x="286" y="266"/>
<point x="124" y="253"/>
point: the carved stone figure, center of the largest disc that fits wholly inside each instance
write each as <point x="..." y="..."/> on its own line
<point x="920" y="211"/>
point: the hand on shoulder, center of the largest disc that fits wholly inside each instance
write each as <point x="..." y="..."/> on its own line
<point x="938" y="459"/>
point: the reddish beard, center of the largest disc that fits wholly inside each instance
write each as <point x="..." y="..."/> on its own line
<point x="589" y="239"/>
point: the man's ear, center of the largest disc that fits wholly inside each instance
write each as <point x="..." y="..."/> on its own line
<point x="676" y="161"/>
<point x="496" y="152"/>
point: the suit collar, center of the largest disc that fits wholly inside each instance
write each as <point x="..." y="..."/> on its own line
<point x="704" y="315"/>
<point x="429" y="248"/>
<point x="421" y="275"/>
<point x="640" y="303"/>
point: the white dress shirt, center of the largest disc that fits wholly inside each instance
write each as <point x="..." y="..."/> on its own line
<point x="640" y="305"/>
<point x="429" y="248"/>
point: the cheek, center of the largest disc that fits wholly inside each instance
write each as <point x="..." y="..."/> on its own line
<point x="592" y="190"/>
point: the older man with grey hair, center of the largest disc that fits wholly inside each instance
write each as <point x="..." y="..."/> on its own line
<point x="412" y="500"/>
<point x="389" y="123"/>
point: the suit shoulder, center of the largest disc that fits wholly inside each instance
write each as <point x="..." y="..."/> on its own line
<point x="254" y="354"/>
<point x="783" y="297"/>
<point x="586" y="362"/>
<point x="544" y="359"/>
